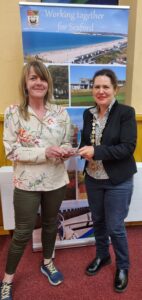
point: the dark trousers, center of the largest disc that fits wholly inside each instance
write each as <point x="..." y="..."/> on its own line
<point x="109" y="205"/>
<point x="26" y="205"/>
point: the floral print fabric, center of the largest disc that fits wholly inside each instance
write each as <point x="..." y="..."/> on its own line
<point x="25" y="142"/>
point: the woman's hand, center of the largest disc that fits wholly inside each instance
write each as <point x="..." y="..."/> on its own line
<point x="68" y="152"/>
<point x="53" y="152"/>
<point x="86" y="152"/>
<point x="58" y="152"/>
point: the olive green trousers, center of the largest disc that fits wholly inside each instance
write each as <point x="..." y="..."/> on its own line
<point x="26" y="206"/>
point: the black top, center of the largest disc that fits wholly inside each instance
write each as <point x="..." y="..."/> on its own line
<point x="117" y="144"/>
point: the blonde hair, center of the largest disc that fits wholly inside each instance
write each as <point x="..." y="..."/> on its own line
<point x="42" y="71"/>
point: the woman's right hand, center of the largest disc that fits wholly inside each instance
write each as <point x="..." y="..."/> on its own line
<point x="86" y="152"/>
<point x="58" y="152"/>
<point x="53" y="152"/>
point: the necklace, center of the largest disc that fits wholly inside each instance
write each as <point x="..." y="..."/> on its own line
<point x="92" y="135"/>
<point x="95" y="138"/>
<point x="92" y="163"/>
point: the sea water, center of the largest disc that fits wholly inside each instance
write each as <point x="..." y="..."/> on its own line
<point x="35" y="42"/>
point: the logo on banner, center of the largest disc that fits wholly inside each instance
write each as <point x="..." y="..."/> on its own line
<point x="33" y="17"/>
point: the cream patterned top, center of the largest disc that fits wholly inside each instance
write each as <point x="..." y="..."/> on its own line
<point x="25" y="143"/>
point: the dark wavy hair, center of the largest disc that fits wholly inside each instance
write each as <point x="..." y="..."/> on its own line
<point x="109" y="73"/>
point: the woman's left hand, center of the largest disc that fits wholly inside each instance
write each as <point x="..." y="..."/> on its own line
<point x="86" y="152"/>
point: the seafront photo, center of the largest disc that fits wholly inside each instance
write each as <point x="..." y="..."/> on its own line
<point x="97" y="50"/>
<point x="75" y="35"/>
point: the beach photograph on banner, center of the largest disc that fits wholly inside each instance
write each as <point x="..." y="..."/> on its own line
<point x="81" y="83"/>
<point x="73" y="34"/>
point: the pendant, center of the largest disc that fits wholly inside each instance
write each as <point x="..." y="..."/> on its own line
<point x="92" y="141"/>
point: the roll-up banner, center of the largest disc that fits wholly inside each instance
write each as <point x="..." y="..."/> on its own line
<point x="74" y="41"/>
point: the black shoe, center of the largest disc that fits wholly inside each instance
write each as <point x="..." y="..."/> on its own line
<point x="97" y="264"/>
<point x="121" y="280"/>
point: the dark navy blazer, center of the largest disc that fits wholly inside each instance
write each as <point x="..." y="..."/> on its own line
<point x="118" y="142"/>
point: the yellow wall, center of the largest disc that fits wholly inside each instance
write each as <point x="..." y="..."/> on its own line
<point x="11" y="55"/>
<point x="138" y="151"/>
<point x="11" y="62"/>
<point x="134" y="55"/>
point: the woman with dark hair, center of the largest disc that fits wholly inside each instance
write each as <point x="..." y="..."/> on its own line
<point x="36" y="140"/>
<point x="108" y="143"/>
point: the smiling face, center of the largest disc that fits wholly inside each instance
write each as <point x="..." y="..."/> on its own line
<point x="103" y="91"/>
<point x="36" y="87"/>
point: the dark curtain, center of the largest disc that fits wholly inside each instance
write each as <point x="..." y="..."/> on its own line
<point x="103" y="2"/>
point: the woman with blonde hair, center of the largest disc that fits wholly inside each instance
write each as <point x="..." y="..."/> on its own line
<point x="36" y="140"/>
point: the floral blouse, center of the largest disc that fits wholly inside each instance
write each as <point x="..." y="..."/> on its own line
<point x="25" y="142"/>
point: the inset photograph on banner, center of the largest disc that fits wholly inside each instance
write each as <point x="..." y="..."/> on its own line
<point x="75" y="227"/>
<point x="62" y="34"/>
<point x="81" y="190"/>
<point x="71" y="187"/>
<point x="81" y="83"/>
<point x="76" y="116"/>
<point x="60" y="79"/>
